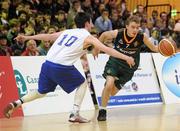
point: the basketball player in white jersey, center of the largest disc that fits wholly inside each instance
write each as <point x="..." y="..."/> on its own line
<point x="58" y="69"/>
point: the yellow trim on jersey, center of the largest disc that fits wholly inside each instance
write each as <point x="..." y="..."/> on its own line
<point x="125" y="38"/>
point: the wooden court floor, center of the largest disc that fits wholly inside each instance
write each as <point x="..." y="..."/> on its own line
<point x="141" y="118"/>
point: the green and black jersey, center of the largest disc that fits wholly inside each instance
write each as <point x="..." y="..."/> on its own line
<point x="130" y="46"/>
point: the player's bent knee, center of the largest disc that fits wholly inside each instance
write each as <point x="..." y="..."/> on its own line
<point x="84" y="83"/>
<point x="113" y="93"/>
<point x="40" y="94"/>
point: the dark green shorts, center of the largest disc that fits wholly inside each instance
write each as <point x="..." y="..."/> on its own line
<point x="118" y="71"/>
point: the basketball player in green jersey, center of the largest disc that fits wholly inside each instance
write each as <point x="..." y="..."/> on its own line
<point x="117" y="72"/>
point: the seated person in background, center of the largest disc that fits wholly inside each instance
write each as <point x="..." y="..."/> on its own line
<point x="31" y="49"/>
<point x="4" y="49"/>
<point x="44" y="47"/>
<point x="176" y="35"/>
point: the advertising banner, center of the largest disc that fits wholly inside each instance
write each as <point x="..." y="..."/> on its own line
<point x="143" y="88"/>
<point x="27" y="71"/>
<point x="8" y="88"/>
<point x="168" y="70"/>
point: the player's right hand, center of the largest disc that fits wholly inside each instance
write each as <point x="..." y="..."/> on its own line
<point x="130" y="61"/>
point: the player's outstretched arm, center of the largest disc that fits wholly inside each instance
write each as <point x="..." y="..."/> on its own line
<point x="149" y="44"/>
<point x="45" y="37"/>
<point x="97" y="44"/>
<point x="108" y="35"/>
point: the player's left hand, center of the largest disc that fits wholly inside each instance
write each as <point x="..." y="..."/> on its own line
<point x="130" y="61"/>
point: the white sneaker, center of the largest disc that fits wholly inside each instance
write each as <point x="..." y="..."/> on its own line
<point x="8" y="110"/>
<point x="77" y="118"/>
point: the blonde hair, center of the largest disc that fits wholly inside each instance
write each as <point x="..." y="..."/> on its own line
<point x="133" y="18"/>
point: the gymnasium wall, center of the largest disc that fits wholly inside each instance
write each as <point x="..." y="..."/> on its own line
<point x="175" y="4"/>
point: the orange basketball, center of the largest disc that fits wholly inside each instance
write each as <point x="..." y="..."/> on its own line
<point x="167" y="47"/>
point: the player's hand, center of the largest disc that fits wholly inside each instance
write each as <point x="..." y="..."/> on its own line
<point x="130" y="61"/>
<point x="20" y="38"/>
<point x="95" y="52"/>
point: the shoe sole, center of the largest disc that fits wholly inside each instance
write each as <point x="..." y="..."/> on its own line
<point x="101" y="119"/>
<point x="78" y="121"/>
<point x="8" y="110"/>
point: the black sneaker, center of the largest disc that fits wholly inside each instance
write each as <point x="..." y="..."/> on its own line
<point x="102" y="115"/>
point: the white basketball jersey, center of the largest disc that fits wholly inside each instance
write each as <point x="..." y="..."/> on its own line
<point x="68" y="47"/>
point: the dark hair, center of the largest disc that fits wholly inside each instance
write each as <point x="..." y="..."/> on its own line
<point x="75" y="1"/>
<point x="2" y="36"/>
<point x="80" y="19"/>
<point x="164" y="32"/>
<point x="133" y="18"/>
<point x="104" y="10"/>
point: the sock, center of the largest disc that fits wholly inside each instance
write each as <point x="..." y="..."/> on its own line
<point x="101" y="107"/>
<point x="79" y="95"/>
<point x="76" y="109"/>
<point x="18" y="103"/>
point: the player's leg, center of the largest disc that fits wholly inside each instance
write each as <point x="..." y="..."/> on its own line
<point x="45" y="85"/>
<point x="105" y="97"/>
<point x="78" y="98"/>
<point x="79" y="95"/>
<point x="73" y="80"/>
<point x="114" y="91"/>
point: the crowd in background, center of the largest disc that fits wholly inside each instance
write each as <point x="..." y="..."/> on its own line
<point x="32" y="17"/>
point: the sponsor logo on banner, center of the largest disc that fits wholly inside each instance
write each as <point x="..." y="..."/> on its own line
<point x="171" y="74"/>
<point x="143" y="88"/>
<point x="131" y="87"/>
<point x="27" y="81"/>
<point x="21" y="84"/>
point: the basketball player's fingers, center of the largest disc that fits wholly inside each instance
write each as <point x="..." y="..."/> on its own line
<point x="130" y="65"/>
<point x="94" y="57"/>
<point x="133" y="63"/>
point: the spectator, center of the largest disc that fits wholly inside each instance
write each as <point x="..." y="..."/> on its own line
<point x="44" y="47"/>
<point x="154" y="18"/>
<point x="29" y="30"/>
<point x="176" y="35"/>
<point x="163" y="20"/>
<point x="60" y="20"/>
<point x="103" y="23"/>
<point x="31" y="49"/>
<point x="140" y="11"/>
<point x="116" y="24"/>
<point x="165" y="33"/>
<point x="86" y="6"/>
<point x="4" y="49"/>
<point x="154" y="36"/>
<point x="97" y="7"/>
<point x="62" y="5"/>
<point x="4" y="18"/>
<point x="76" y="7"/>
<point x="18" y="48"/>
<point x="14" y="29"/>
<point x="144" y="27"/>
